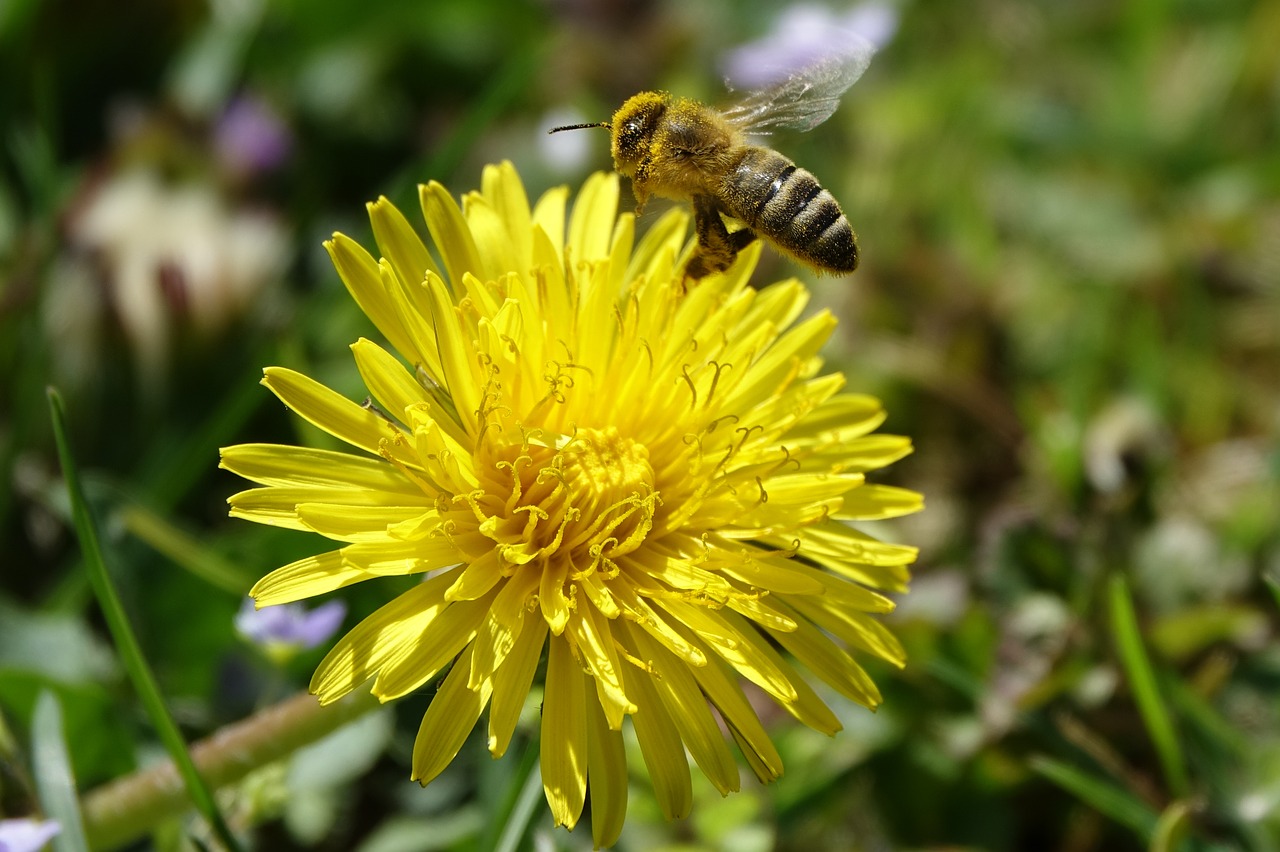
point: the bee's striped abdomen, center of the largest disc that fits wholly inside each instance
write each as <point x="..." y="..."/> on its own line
<point x="786" y="204"/>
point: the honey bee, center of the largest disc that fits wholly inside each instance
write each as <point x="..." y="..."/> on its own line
<point x="681" y="149"/>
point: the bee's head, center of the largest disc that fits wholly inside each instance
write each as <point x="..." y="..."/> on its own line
<point x="633" y="127"/>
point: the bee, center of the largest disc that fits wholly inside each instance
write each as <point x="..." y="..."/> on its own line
<point x="683" y="150"/>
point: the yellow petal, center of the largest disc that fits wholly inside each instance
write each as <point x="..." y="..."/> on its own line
<point x="624" y="238"/>
<point x="595" y="349"/>
<point x="774" y="574"/>
<point x="564" y="736"/>
<point x="606" y="777"/>
<point x="449" y="232"/>
<point x="860" y="454"/>
<point x="334" y="413"/>
<point x="734" y="646"/>
<point x="685" y="704"/>
<point x="386" y="378"/>
<point x="502" y="188"/>
<point x="354" y="523"/>
<point x="511" y="683"/>
<point x="780" y="412"/>
<point x="454" y="711"/>
<point x="660" y="746"/>
<point x="806" y="705"/>
<point x="456" y="357"/>
<point x="476" y="579"/>
<point x="651" y="622"/>
<point x="548" y="218"/>
<point x="856" y="555"/>
<point x="802" y="489"/>
<point x="314" y="575"/>
<point x="773" y="369"/>
<point x="383" y="636"/>
<point x="724" y="693"/>
<point x="594" y="639"/>
<point x="854" y="628"/>
<point x="359" y="272"/>
<point x="555" y="604"/>
<point x="781" y="304"/>
<point x="841" y="418"/>
<point x="497" y="637"/>
<point x="656" y="252"/>
<point x="412" y="304"/>
<point x="488" y="230"/>
<point x="816" y="651"/>
<point x="594" y="212"/>
<point x="421" y="654"/>
<point x="874" y="502"/>
<point x="399" y="243"/>
<point x="353" y="563"/>
<point x="277" y="464"/>
<point x="833" y="538"/>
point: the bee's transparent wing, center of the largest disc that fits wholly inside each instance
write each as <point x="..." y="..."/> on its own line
<point x="804" y="97"/>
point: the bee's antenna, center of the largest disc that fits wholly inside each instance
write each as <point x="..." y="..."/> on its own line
<point x="580" y="126"/>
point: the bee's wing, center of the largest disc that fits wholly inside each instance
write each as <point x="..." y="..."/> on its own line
<point x="805" y="97"/>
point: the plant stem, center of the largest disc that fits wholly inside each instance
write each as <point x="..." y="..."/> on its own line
<point x="127" y="808"/>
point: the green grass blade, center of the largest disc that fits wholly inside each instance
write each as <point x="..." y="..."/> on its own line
<point x="126" y="643"/>
<point x="54" y="779"/>
<point x="1100" y="794"/>
<point x="1142" y="680"/>
<point x="1171" y="829"/>
<point x="186" y="551"/>
<point x="526" y="785"/>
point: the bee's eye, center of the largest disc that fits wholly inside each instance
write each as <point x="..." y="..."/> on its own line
<point x="632" y="127"/>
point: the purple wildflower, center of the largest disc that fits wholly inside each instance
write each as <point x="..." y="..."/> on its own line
<point x="290" y="625"/>
<point x="804" y="33"/>
<point x="251" y="137"/>
<point x="26" y="835"/>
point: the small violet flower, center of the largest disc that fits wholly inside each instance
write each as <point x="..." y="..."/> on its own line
<point x="251" y="138"/>
<point x="26" y="835"/>
<point x="805" y="32"/>
<point x="289" y="627"/>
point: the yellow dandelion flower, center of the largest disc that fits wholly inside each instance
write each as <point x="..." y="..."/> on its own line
<point x="648" y="487"/>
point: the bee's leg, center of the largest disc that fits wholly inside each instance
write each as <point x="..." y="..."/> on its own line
<point x="640" y="185"/>
<point x="741" y="238"/>
<point x="716" y="246"/>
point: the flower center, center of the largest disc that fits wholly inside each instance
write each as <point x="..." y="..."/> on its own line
<point x="609" y="498"/>
<point x="589" y="501"/>
<point x="603" y="469"/>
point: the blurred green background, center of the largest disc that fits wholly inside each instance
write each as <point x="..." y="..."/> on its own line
<point x="1069" y="216"/>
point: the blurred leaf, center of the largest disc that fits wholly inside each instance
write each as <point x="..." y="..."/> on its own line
<point x="59" y="646"/>
<point x="426" y="834"/>
<point x="1100" y="794"/>
<point x="513" y="810"/>
<point x="520" y="801"/>
<point x="187" y="551"/>
<point x="204" y="74"/>
<point x="1142" y="680"/>
<point x="91" y="719"/>
<point x="343" y="755"/>
<point x="54" y="778"/>
<point x="1191" y="631"/>
<point x="1171" y="830"/>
